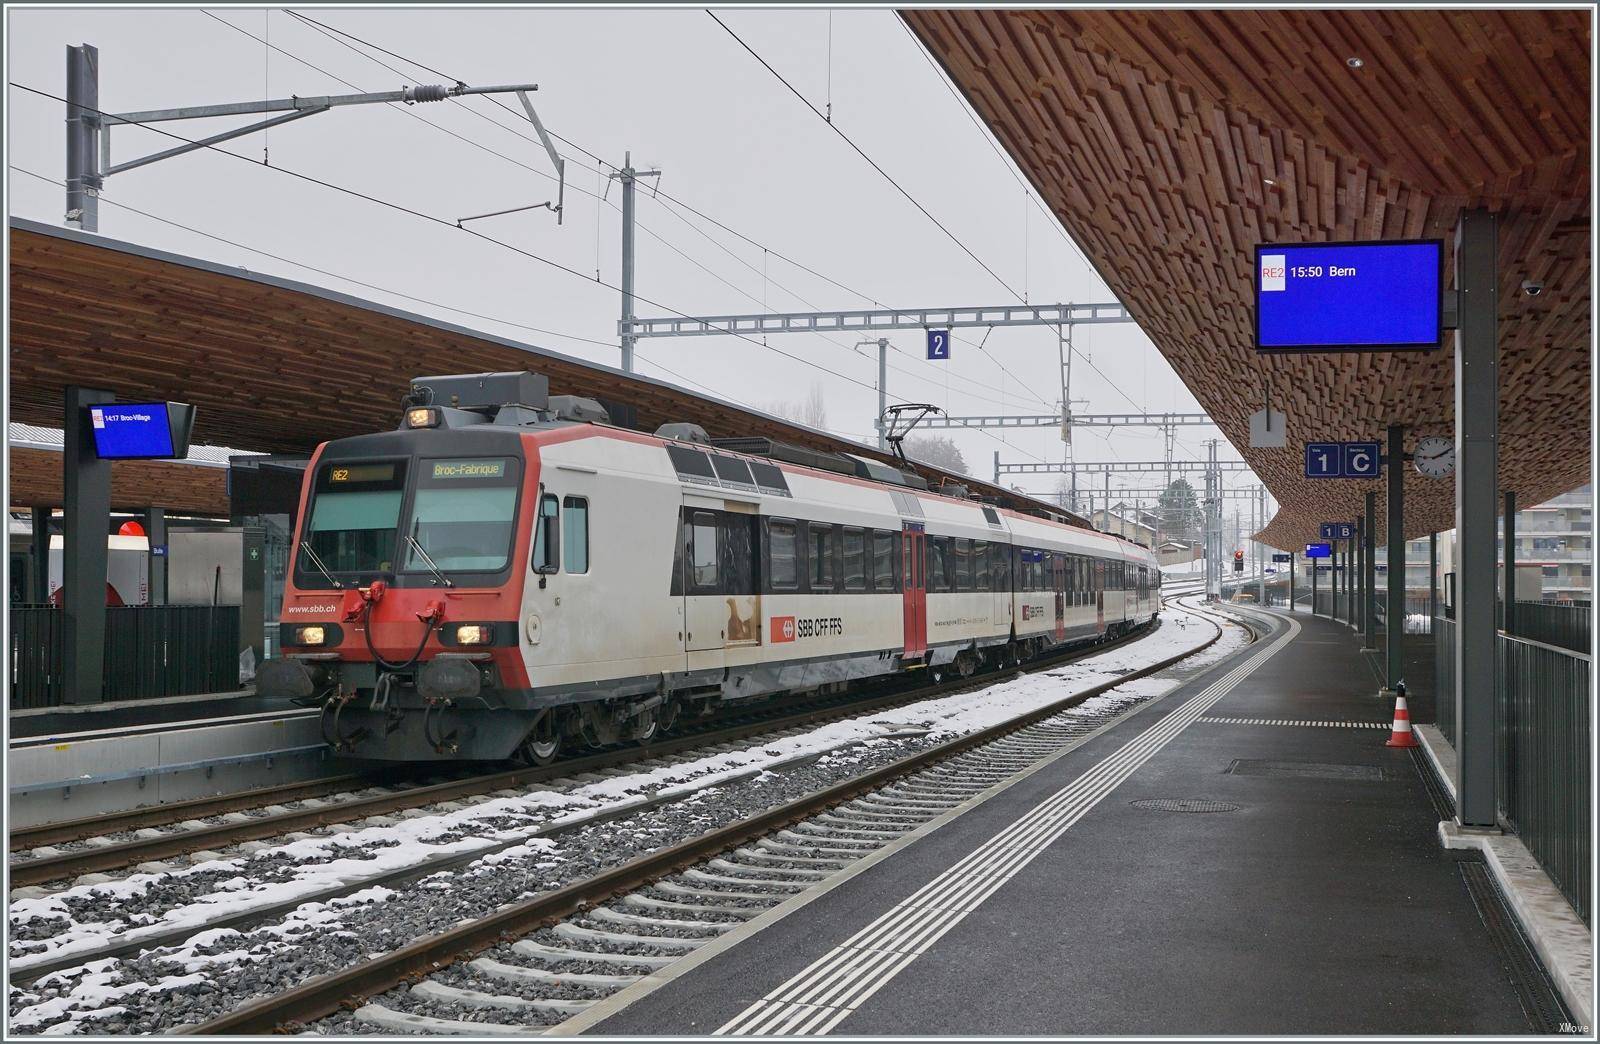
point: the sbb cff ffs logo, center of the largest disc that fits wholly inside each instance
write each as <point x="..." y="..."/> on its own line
<point x="787" y="628"/>
<point x="782" y="629"/>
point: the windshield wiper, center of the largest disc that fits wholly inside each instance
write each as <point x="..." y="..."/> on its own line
<point x="305" y="545"/>
<point x="438" y="574"/>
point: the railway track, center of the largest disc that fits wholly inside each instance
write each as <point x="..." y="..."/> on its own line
<point x="540" y="962"/>
<point x="262" y="814"/>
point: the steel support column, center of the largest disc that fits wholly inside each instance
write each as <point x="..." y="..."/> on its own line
<point x="85" y="523"/>
<point x="1433" y="581"/>
<point x="1477" y="451"/>
<point x="155" y="528"/>
<point x="1395" y="615"/>
<point x="1369" y="574"/>
<point x="39" y="552"/>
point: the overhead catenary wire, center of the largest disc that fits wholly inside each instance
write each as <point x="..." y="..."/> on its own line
<point x="350" y="40"/>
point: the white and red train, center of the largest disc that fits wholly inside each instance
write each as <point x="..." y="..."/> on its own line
<point x="496" y="579"/>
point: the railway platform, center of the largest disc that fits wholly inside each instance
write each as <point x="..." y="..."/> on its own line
<point x="1243" y="856"/>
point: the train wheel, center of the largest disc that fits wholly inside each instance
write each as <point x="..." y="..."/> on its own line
<point x="543" y="744"/>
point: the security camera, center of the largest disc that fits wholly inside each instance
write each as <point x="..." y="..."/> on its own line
<point x="1532" y="288"/>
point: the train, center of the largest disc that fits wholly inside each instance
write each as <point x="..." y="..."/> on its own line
<point x="508" y="575"/>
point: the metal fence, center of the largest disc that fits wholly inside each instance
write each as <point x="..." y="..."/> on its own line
<point x="1566" y="626"/>
<point x="1444" y="676"/>
<point x="37" y="634"/>
<point x="1542" y="721"/>
<point x="151" y="651"/>
<point x="1544" y="729"/>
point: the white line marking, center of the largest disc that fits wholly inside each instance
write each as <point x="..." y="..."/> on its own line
<point x="841" y="980"/>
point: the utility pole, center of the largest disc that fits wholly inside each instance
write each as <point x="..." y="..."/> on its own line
<point x="83" y="132"/>
<point x="629" y="178"/>
<point x="883" y="401"/>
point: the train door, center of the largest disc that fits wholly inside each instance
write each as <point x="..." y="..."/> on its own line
<point x="1058" y="581"/>
<point x="704" y="614"/>
<point x="1000" y="582"/>
<point x="914" y="569"/>
<point x="1099" y="596"/>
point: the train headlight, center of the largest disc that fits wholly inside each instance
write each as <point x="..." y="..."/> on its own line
<point x="310" y="636"/>
<point x="422" y="417"/>
<point x="474" y="634"/>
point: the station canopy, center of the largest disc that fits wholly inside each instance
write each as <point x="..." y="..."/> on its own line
<point x="1171" y="143"/>
<point x="277" y="366"/>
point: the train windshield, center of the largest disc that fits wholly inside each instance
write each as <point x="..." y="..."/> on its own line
<point x="463" y="516"/>
<point x="355" y="516"/>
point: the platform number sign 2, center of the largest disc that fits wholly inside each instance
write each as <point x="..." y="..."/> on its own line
<point x="939" y="344"/>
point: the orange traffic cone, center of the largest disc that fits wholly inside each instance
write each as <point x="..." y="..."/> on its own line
<point x="1401" y="735"/>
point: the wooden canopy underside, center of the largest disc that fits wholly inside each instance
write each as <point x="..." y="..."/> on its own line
<point x="1170" y="143"/>
<point x="279" y="367"/>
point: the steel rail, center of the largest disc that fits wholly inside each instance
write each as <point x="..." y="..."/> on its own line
<point x="325" y="994"/>
<point x="131" y="853"/>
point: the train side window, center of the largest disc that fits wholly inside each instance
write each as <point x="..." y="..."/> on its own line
<point x="937" y="550"/>
<point x="575" y="534"/>
<point x="980" y="565"/>
<point x="1000" y="566"/>
<point x="546" y="558"/>
<point x="883" y="558"/>
<point x="783" y="565"/>
<point x="855" y="559"/>
<point x="704" y="552"/>
<point x="820" y="544"/>
<point x="960" y="564"/>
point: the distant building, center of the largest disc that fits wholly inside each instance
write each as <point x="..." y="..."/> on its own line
<point x="1127" y="522"/>
<point x="1554" y="552"/>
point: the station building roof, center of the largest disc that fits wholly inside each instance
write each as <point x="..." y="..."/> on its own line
<point x="1170" y="142"/>
<point x="277" y="366"/>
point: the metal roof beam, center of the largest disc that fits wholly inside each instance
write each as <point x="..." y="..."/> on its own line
<point x="759" y="323"/>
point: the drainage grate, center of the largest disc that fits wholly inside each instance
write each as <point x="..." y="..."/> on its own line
<point x="1183" y="805"/>
<point x="1528" y="978"/>
<point x="1443" y="804"/>
<point x="1305" y="770"/>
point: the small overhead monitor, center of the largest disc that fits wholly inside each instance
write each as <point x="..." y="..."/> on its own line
<point x="1350" y="297"/>
<point x="1319" y="550"/>
<point x="141" y="430"/>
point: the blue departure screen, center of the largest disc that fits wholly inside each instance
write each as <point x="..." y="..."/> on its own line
<point x="131" y="430"/>
<point x="1349" y="296"/>
<point x="1319" y="551"/>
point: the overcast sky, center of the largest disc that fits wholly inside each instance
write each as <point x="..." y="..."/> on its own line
<point x="684" y="96"/>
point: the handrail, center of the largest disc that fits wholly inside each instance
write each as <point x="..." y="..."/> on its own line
<point x="1543" y="645"/>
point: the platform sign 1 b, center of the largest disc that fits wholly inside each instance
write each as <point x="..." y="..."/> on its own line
<point x="939" y="344"/>
<point x="1331" y="297"/>
<point x="1343" y="460"/>
<point x="1338" y="531"/>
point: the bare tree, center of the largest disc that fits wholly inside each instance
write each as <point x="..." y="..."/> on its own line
<point x="812" y="411"/>
<point x="940" y="451"/>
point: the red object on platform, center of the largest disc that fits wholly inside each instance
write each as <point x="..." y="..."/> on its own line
<point x="1401" y="735"/>
<point x="130" y="528"/>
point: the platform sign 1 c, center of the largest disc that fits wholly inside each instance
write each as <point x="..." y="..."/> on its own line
<point x="1319" y="551"/>
<point x="1343" y="460"/>
<point x="1333" y="297"/>
<point x="939" y="344"/>
<point x="1338" y="531"/>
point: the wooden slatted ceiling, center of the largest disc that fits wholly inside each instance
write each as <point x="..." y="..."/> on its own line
<point x="1170" y="143"/>
<point x="35" y="480"/>
<point x="280" y="367"/>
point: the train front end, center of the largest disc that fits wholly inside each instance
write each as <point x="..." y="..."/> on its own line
<point x="400" y="611"/>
